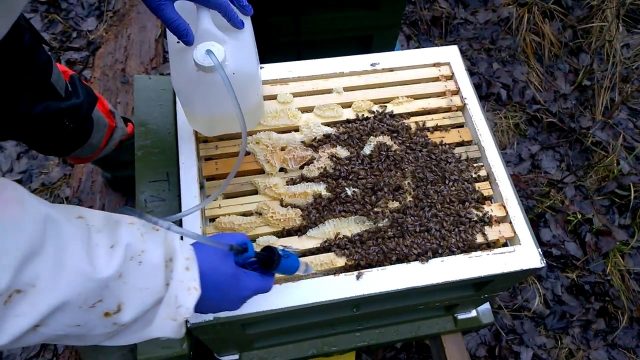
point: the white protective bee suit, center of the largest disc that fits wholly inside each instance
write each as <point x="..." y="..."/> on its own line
<point x="75" y="276"/>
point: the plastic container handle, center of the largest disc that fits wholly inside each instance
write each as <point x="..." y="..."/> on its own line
<point x="206" y="26"/>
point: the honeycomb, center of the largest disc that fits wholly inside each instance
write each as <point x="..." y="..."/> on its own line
<point x="346" y="226"/>
<point x="238" y="223"/>
<point x="284" y="98"/>
<point x="282" y="116"/>
<point x="325" y="262"/>
<point x="300" y="194"/>
<point x="393" y="204"/>
<point x="323" y="161"/>
<point x="267" y="240"/>
<point x="291" y="158"/>
<point x="273" y="139"/>
<point x="373" y="140"/>
<point x="311" y="129"/>
<point x="278" y="216"/>
<point x="271" y="186"/>
<point x="401" y="100"/>
<point x="274" y="151"/>
<point x="361" y="105"/>
<point x="328" y="110"/>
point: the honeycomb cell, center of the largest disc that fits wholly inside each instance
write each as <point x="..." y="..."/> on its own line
<point x="275" y="151"/>
<point x="285" y="98"/>
<point x="361" y="105"/>
<point x="401" y="100"/>
<point x="328" y="111"/>
<point x="278" y="216"/>
<point x="267" y="240"/>
<point x="282" y="116"/>
<point x="300" y="194"/>
<point x="340" y="226"/>
<point x="312" y="129"/>
<point x="238" y="223"/>
<point x="323" y="161"/>
<point x="373" y="140"/>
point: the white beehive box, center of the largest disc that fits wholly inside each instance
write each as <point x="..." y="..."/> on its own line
<point x="443" y="95"/>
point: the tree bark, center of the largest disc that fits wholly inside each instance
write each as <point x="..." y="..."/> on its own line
<point x="132" y="45"/>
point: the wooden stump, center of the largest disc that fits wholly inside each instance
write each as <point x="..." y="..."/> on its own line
<point x="133" y="45"/>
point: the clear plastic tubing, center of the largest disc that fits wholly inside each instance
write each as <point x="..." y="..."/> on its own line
<point x="176" y="229"/>
<point x="243" y="144"/>
<point x="167" y="223"/>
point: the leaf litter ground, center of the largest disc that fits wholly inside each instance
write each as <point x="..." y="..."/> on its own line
<point x="560" y="81"/>
<point x="72" y="29"/>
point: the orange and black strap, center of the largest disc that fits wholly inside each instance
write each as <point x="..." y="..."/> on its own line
<point x="48" y="107"/>
<point x="109" y="129"/>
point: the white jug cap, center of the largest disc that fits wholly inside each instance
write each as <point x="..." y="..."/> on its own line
<point x="202" y="60"/>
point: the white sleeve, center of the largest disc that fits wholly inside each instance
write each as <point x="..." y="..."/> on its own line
<point x="76" y="276"/>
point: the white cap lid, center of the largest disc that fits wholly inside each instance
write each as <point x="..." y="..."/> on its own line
<point x="202" y="60"/>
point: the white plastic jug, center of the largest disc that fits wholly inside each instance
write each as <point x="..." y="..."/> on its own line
<point x="206" y="102"/>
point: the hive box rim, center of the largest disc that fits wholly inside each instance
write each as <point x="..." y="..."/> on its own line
<point x="523" y="257"/>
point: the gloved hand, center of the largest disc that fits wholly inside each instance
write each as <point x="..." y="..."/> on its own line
<point x="166" y="12"/>
<point x="226" y="286"/>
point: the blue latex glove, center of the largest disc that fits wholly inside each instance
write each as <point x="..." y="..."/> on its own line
<point x="226" y="286"/>
<point x="166" y="12"/>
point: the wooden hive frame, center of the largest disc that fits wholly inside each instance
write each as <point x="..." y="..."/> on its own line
<point x="443" y="96"/>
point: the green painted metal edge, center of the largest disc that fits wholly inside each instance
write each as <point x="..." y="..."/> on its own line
<point x="334" y="321"/>
<point x="127" y="352"/>
<point x="163" y="349"/>
<point x="157" y="175"/>
<point x="332" y="345"/>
